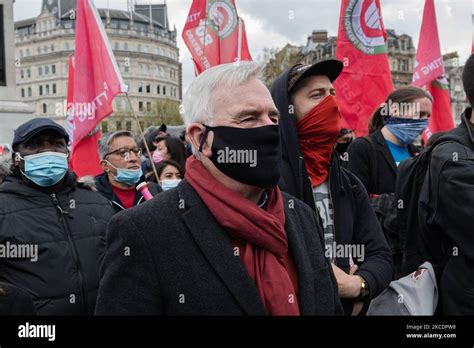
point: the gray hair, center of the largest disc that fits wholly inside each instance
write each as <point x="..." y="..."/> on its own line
<point x="108" y="138"/>
<point x="198" y="100"/>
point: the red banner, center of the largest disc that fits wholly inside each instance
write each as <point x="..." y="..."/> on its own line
<point x="85" y="158"/>
<point x="366" y="81"/>
<point x="97" y="77"/>
<point x="429" y="72"/>
<point x="215" y="34"/>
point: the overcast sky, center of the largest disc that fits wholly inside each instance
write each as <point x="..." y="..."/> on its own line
<point x="273" y="23"/>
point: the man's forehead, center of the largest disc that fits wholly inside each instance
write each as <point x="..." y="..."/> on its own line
<point x="253" y="93"/>
<point x="123" y="140"/>
<point x="46" y="135"/>
<point x="315" y="81"/>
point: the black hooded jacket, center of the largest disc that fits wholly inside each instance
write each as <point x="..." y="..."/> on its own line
<point x="355" y="221"/>
<point x="103" y="186"/>
<point x="68" y="227"/>
<point x="446" y="216"/>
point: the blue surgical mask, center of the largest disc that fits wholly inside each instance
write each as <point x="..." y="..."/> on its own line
<point x="128" y="176"/>
<point x="168" y="184"/>
<point x="404" y="129"/>
<point x="45" y="169"/>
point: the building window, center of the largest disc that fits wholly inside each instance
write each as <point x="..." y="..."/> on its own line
<point x="22" y="74"/>
<point x="164" y="90"/>
<point x="52" y="47"/>
<point x="148" y="106"/>
<point x="22" y="92"/>
<point x="46" y="70"/>
<point x="53" y="69"/>
<point x="118" y="125"/>
<point x="45" y="108"/>
<point x="158" y="89"/>
<point x="40" y="71"/>
<point x="29" y="92"/>
<point x="21" y="53"/>
<point x="140" y="106"/>
<point x="125" y="46"/>
<point x="105" y="127"/>
<point x="118" y="105"/>
<point x="140" y="88"/>
<point x="47" y="89"/>
<point x="28" y="72"/>
<point x="40" y="90"/>
<point x="126" y="68"/>
<point x="148" y="88"/>
<point x="116" y="46"/>
<point x="128" y="125"/>
<point x="54" y="88"/>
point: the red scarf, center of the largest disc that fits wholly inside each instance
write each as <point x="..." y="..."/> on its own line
<point x="317" y="134"/>
<point x="260" y="232"/>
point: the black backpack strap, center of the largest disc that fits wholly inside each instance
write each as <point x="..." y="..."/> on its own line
<point x="372" y="165"/>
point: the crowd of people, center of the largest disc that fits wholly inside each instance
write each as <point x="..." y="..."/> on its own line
<point x="265" y="206"/>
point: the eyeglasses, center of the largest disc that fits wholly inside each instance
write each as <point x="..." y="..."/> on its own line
<point x="125" y="153"/>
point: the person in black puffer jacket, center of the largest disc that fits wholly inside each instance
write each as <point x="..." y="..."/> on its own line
<point x="42" y="206"/>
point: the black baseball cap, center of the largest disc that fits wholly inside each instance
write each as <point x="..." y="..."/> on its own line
<point x="29" y="129"/>
<point x="331" y="68"/>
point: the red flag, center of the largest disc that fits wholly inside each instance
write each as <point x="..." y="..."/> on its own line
<point x="429" y="72"/>
<point x="215" y="34"/>
<point x="85" y="158"/>
<point x="366" y="80"/>
<point x="97" y="77"/>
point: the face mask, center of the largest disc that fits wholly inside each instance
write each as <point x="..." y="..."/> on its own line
<point x="248" y="155"/>
<point x="157" y="156"/>
<point x="317" y="134"/>
<point x="168" y="184"/>
<point x="127" y="176"/>
<point x="45" y="169"/>
<point x="405" y="130"/>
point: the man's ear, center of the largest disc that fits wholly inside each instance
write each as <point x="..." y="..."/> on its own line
<point x="104" y="166"/>
<point x="196" y="132"/>
<point x="16" y="158"/>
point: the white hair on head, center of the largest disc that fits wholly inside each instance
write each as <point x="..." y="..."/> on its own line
<point x="197" y="102"/>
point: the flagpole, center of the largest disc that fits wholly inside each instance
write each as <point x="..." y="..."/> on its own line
<point x="59" y="10"/>
<point x="143" y="137"/>
<point x="239" y="41"/>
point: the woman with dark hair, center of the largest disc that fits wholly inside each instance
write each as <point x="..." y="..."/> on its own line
<point x="169" y="148"/>
<point x="393" y="128"/>
<point x="374" y="159"/>
<point x="170" y="174"/>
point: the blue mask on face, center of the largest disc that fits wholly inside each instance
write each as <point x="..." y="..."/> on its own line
<point x="128" y="176"/>
<point x="404" y="129"/>
<point x="45" y="169"/>
<point x="168" y="184"/>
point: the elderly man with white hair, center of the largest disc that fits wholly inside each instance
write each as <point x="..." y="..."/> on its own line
<point x="226" y="241"/>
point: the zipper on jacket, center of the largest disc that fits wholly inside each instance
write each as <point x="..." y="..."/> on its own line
<point x="333" y="211"/>
<point x="75" y="255"/>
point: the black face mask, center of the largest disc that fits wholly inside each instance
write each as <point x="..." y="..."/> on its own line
<point x="248" y="155"/>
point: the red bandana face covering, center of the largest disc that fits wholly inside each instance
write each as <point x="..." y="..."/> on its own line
<point x="317" y="133"/>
